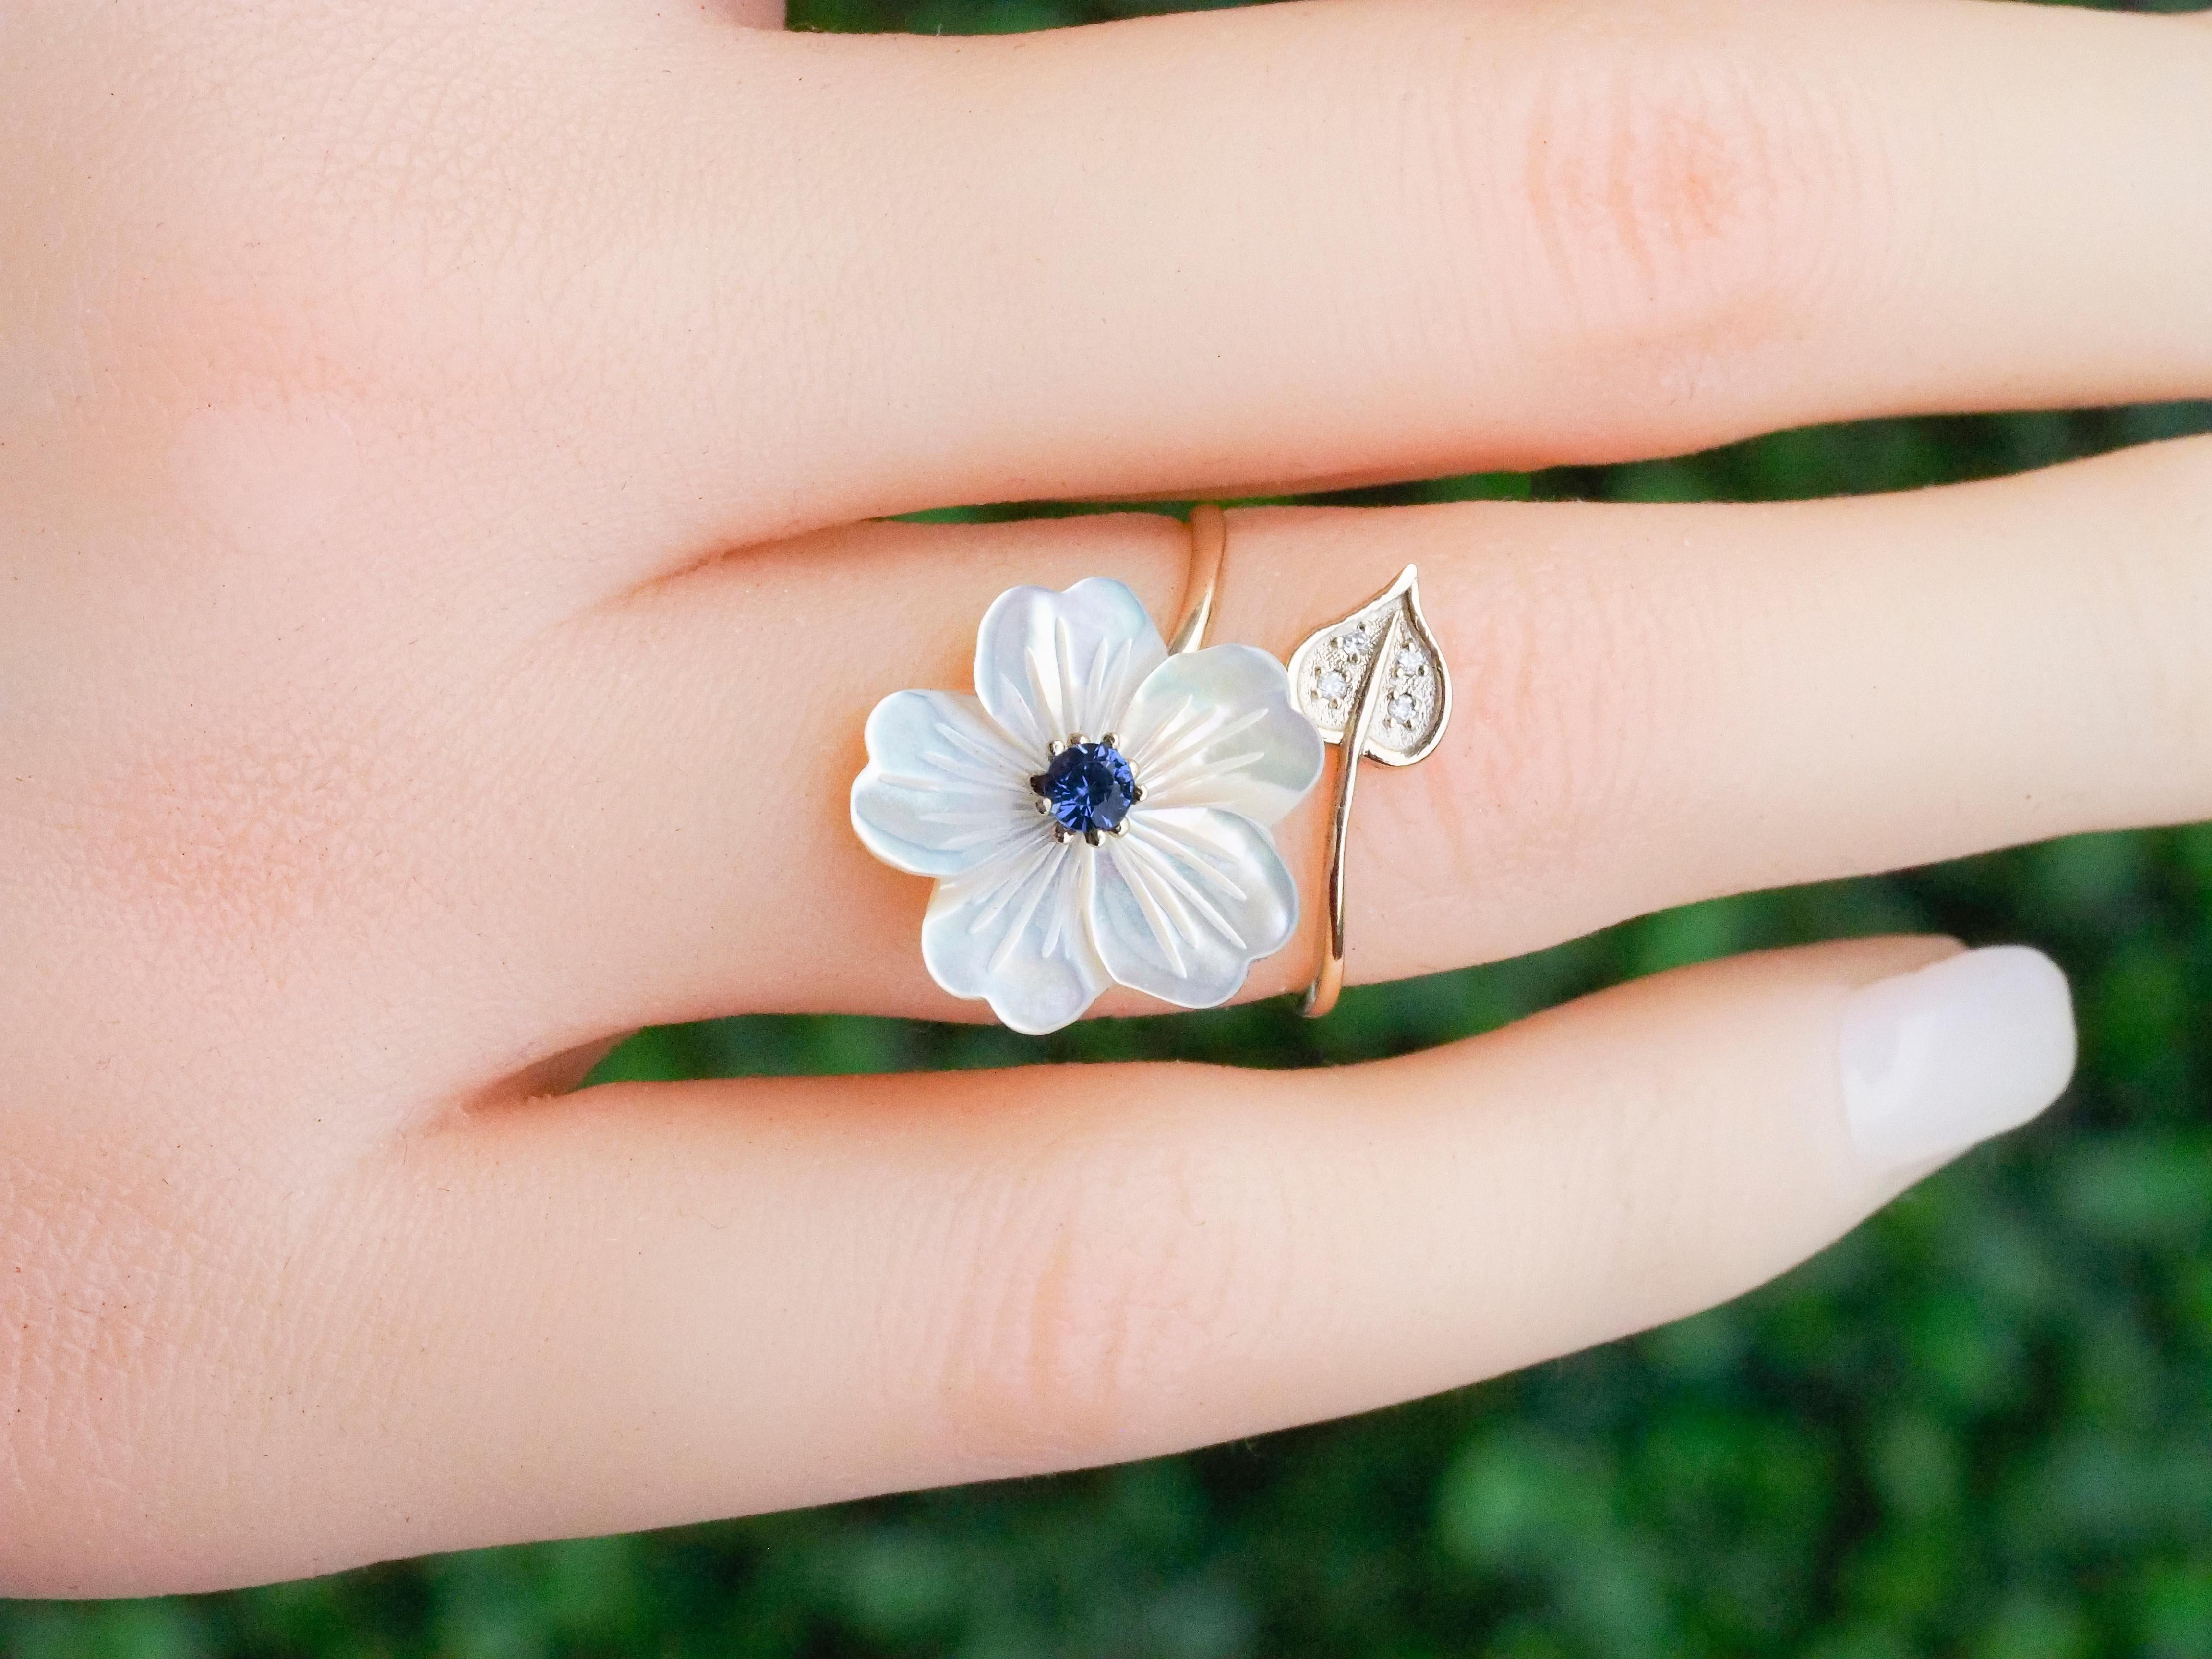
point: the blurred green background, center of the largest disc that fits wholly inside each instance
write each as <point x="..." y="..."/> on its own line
<point x="1981" y="1425"/>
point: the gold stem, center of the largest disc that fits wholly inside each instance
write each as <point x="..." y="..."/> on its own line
<point x="1328" y="977"/>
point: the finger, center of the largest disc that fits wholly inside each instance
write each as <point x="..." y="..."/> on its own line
<point x="1653" y="705"/>
<point x="637" y="1306"/>
<point x="1346" y="242"/>
<point x="684" y="286"/>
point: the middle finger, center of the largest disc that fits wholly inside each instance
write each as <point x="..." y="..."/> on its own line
<point x="1335" y="242"/>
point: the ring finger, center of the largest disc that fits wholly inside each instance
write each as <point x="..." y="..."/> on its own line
<point x="1655" y="704"/>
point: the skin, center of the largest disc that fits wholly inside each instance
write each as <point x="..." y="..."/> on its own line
<point x="438" y="632"/>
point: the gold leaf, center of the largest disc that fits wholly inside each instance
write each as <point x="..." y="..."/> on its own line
<point x="1386" y="639"/>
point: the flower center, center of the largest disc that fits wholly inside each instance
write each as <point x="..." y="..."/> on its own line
<point x="1087" y="788"/>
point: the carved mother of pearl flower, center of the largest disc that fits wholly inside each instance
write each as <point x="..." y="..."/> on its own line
<point x="1096" y="814"/>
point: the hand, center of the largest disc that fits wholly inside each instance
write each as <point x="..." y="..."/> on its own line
<point x="438" y="631"/>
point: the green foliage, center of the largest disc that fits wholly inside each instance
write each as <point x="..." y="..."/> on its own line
<point x="1981" y="1425"/>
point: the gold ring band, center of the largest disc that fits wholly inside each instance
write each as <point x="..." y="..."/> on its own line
<point x="1209" y="543"/>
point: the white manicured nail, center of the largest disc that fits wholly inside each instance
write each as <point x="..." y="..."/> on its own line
<point x="1964" y="1049"/>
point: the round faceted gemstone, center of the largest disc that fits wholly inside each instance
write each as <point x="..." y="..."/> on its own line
<point x="1088" y="787"/>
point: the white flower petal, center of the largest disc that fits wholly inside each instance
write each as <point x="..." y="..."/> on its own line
<point x="1050" y="664"/>
<point x="944" y="790"/>
<point x="1186" y="899"/>
<point x="1014" y="931"/>
<point x="1216" y="727"/>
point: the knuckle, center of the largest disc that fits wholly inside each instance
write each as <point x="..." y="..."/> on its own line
<point x="1109" y="1274"/>
<point x="1664" y="193"/>
<point x="362" y="223"/>
<point x="263" y="834"/>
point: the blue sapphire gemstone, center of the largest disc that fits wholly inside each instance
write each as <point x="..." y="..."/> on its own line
<point x="1087" y="788"/>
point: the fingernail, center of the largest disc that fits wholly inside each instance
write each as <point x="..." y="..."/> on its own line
<point x="1953" y="1053"/>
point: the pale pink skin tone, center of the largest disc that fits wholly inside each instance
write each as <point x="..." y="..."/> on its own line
<point x="435" y="640"/>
